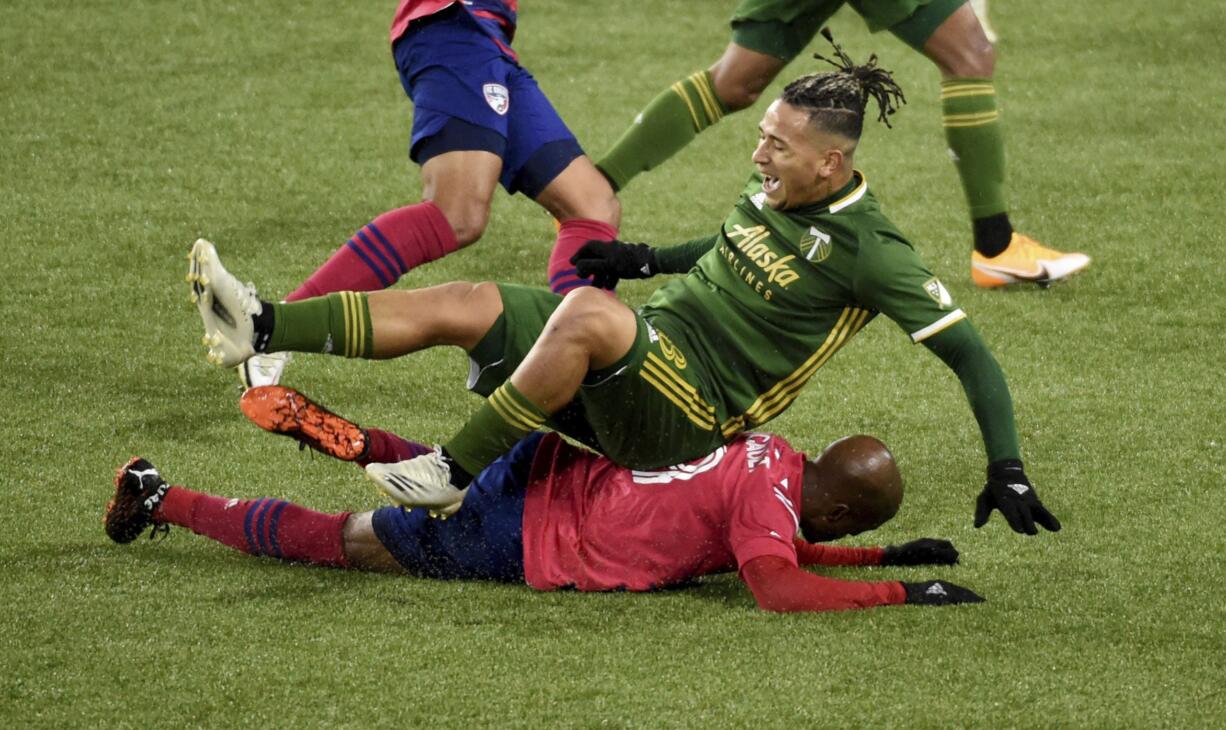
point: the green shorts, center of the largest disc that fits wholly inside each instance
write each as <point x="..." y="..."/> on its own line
<point x="648" y="410"/>
<point x="782" y="28"/>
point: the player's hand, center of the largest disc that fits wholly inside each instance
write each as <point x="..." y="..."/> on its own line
<point x="939" y="593"/>
<point x="1009" y="491"/>
<point x="605" y="262"/>
<point x="925" y="551"/>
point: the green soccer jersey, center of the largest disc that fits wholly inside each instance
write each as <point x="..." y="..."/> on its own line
<point x="781" y="291"/>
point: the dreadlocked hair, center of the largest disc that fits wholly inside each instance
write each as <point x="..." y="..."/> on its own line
<point x="836" y="100"/>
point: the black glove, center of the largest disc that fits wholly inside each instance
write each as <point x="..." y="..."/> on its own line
<point x="939" y="593"/>
<point x="607" y="261"/>
<point x="1009" y="491"/>
<point x="925" y="551"/>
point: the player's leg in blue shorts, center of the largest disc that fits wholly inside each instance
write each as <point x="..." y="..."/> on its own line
<point x="469" y="94"/>
<point x="482" y="541"/>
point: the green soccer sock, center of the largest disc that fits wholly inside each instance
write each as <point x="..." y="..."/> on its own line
<point x="505" y="418"/>
<point x="338" y="324"/>
<point x="666" y="125"/>
<point x="976" y="141"/>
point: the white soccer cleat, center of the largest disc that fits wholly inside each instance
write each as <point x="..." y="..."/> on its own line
<point x="264" y="368"/>
<point x="226" y="307"/>
<point x="981" y="11"/>
<point x="423" y="481"/>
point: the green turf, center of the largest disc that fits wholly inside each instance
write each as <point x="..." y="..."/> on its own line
<point x="277" y="128"/>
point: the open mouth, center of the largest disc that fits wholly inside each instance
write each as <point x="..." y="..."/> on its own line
<point x="769" y="184"/>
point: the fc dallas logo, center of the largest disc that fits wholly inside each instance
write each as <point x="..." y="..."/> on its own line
<point x="497" y="97"/>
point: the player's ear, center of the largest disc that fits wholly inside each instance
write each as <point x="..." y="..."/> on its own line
<point x="832" y="162"/>
<point x="838" y="513"/>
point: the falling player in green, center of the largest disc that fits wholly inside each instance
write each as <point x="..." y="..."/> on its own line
<point x="804" y="261"/>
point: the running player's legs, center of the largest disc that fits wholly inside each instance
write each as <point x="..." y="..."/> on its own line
<point x="766" y="34"/>
<point x="949" y="33"/>
<point x="545" y="162"/>
<point x="458" y="80"/>
<point x="459" y="141"/>
<point x="482" y="541"/>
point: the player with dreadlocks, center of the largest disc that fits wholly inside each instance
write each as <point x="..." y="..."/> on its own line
<point x="803" y="262"/>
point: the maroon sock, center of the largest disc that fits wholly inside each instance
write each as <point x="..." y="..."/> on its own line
<point x="382" y="252"/>
<point x="259" y="526"/>
<point x="388" y="448"/>
<point x="571" y="237"/>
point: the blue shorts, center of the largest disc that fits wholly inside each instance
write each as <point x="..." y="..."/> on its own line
<point x="469" y="95"/>
<point x="483" y="541"/>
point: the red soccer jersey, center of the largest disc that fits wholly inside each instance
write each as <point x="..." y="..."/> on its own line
<point x="503" y="11"/>
<point x="592" y="525"/>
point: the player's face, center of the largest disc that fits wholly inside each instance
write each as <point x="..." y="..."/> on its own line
<point x="791" y="158"/>
<point x="826" y="528"/>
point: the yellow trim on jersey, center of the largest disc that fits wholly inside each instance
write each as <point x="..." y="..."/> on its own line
<point x="856" y="193"/>
<point x="685" y="396"/>
<point x="708" y="96"/>
<point x="774" y="401"/>
<point x="679" y="90"/>
<point x="977" y="119"/>
<point x="512" y="412"/>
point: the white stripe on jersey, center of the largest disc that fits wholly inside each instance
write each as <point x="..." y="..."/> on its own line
<point x="680" y="472"/>
<point x="923" y="334"/>
<point x="779" y="495"/>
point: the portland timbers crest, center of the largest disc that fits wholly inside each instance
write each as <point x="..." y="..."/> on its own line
<point x="816" y="244"/>
<point x="497" y="97"/>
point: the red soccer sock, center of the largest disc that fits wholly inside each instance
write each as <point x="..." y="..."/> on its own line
<point x="259" y="527"/>
<point x="383" y="251"/>
<point x="571" y="237"/>
<point x="388" y="448"/>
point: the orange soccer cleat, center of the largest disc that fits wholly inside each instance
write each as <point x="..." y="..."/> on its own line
<point x="1025" y="260"/>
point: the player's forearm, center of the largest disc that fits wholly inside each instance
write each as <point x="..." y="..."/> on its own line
<point x="780" y="586"/>
<point x="681" y="258"/>
<point x="961" y="348"/>
<point x="808" y="553"/>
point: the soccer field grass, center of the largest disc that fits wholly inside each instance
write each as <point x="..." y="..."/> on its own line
<point x="276" y="129"/>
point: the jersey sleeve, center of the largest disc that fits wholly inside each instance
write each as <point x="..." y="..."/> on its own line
<point x="681" y="258"/>
<point x="763" y="521"/>
<point x="891" y="278"/>
<point x="778" y="586"/>
<point x="808" y="553"/>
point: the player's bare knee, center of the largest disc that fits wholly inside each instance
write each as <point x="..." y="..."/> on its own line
<point x="738" y="86"/>
<point x="606" y="208"/>
<point x="977" y="60"/>
<point x="467" y="218"/>
<point x="587" y="316"/>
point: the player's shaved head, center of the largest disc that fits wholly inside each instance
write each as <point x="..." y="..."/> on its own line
<point x="852" y="486"/>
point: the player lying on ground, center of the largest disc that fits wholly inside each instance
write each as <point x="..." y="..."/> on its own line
<point x="767" y="34"/>
<point x="557" y="516"/>
<point x="479" y="120"/>
<point x="803" y="262"/>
